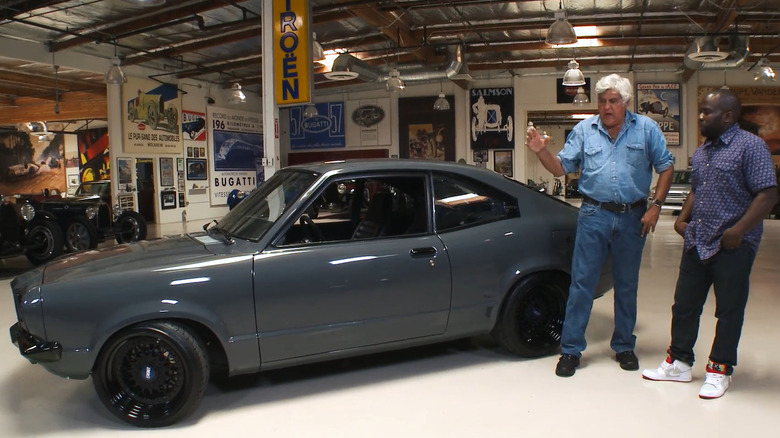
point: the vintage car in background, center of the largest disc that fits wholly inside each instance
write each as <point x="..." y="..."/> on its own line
<point x="152" y="111"/>
<point x="678" y="191"/>
<point x="24" y="231"/>
<point x="439" y="251"/>
<point x="122" y="223"/>
<point x="22" y="170"/>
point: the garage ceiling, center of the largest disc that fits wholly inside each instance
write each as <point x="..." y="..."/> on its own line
<point x="218" y="41"/>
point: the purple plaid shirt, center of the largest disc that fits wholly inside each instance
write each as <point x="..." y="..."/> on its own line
<point x="726" y="176"/>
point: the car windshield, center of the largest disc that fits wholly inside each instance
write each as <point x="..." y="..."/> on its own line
<point x="254" y="215"/>
<point x="681" y="177"/>
<point x="87" y="188"/>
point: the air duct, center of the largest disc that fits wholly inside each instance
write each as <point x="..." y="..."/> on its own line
<point x="717" y="52"/>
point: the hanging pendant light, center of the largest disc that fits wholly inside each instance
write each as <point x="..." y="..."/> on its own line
<point x="309" y="111"/>
<point x="561" y="32"/>
<point x="581" y="99"/>
<point x="573" y="76"/>
<point x="441" y="104"/>
<point x="764" y="72"/>
<point x="237" y="96"/>
<point x="394" y="82"/>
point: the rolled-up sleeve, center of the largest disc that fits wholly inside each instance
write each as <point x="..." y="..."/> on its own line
<point x="660" y="156"/>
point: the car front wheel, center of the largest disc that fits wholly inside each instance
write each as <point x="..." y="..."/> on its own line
<point x="131" y="227"/>
<point x="531" y="319"/>
<point x="81" y="234"/>
<point x="152" y="374"/>
<point x="45" y="241"/>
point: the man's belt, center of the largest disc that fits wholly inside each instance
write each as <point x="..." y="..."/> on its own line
<point x="615" y="207"/>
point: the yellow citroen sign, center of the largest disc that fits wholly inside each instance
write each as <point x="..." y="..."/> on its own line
<point x="292" y="52"/>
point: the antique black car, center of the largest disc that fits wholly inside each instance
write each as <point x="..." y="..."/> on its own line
<point x="23" y="231"/>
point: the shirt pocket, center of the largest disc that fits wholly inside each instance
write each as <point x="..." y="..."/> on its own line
<point x="636" y="155"/>
<point x="594" y="158"/>
<point x="727" y="173"/>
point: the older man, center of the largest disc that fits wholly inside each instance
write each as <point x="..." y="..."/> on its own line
<point x="615" y="152"/>
<point x="733" y="190"/>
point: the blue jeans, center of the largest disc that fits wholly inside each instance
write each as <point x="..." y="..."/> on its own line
<point x="729" y="272"/>
<point x="602" y="233"/>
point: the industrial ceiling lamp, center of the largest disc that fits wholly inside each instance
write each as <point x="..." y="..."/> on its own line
<point x="764" y="72"/>
<point x="441" y="104"/>
<point x="561" y="31"/>
<point x="115" y="75"/>
<point x="317" y="52"/>
<point x="573" y="76"/>
<point x="394" y="82"/>
<point x="309" y="111"/>
<point x="581" y="99"/>
<point x="237" y="96"/>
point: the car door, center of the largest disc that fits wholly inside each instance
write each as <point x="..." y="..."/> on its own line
<point x="319" y="297"/>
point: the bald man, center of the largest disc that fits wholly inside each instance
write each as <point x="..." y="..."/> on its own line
<point x="733" y="190"/>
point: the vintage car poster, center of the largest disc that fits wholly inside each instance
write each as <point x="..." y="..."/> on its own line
<point x="425" y="133"/>
<point x="760" y="114"/>
<point x="491" y="118"/>
<point x="31" y="162"/>
<point x="661" y="102"/>
<point x="193" y="125"/>
<point x="368" y="122"/>
<point x="152" y="113"/>
<point x="235" y="143"/>
<point x="325" y="130"/>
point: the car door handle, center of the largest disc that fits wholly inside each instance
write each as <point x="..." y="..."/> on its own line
<point x="423" y="252"/>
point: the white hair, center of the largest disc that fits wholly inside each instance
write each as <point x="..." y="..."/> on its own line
<point x="617" y="83"/>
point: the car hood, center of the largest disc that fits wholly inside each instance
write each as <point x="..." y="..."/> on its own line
<point x="137" y="256"/>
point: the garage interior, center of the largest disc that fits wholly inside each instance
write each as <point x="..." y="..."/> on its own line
<point x="461" y="389"/>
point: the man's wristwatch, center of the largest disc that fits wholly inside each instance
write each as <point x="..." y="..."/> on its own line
<point x="657" y="202"/>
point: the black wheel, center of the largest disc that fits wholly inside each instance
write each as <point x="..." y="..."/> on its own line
<point x="312" y="231"/>
<point x="80" y="234"/>
<point x="45" y="241"/>
<point x="531" y="318"/>
<point x="152" y="374"/>
<point x="131" y="227"/>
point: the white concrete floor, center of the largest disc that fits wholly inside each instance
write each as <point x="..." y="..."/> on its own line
<point x="462" y="389"/>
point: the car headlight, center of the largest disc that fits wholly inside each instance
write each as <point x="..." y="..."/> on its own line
<point x="342" y="188"/>
<point x="117" y="210"/>
<point x="28" y="212"/>
<point x="91" y="212"/>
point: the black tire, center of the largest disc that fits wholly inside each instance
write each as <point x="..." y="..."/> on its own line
<point x="531" y="318"/>
<point x="45" y="241"/>
<point x="130" y="227"/>
<point x="80" y="234"/>
<point x="152" y="374"/>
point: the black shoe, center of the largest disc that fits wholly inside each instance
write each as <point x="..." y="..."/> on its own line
<point x="628" y="360"/>
<point x="567" y="364"/>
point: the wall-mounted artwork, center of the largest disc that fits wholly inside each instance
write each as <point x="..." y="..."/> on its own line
<point x="661" y="102"/>
<point x="502" y="163"/>
<point x="492" y="118"/>
<point x="424" y="132"/>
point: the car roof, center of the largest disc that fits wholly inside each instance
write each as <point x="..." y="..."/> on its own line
<point x="386" y="164"/>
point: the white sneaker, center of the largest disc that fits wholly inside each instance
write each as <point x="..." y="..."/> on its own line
<point x="672" y="372"/>
<point x="715" y="385"/>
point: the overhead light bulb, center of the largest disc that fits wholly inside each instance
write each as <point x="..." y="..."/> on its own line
<point x="581" y="99"/>
<point x="764" y="72"/>
<point x="573" y="76"/>
<point x="394" y="82"/>
<point x="237" y="96"/>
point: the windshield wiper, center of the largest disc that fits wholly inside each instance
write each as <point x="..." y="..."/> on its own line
<point x="228" y="238"/>
<point x="206" y="225"/>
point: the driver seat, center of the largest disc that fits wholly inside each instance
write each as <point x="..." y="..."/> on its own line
<point x="377" y="218"/>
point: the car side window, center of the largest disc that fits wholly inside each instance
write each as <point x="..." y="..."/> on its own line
<point x="355" y="209"/>
<point x="459" y="202"/>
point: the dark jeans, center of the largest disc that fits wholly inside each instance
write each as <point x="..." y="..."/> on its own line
<point x="729" y="272"/>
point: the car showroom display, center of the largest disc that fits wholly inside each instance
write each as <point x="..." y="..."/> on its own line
<point x="422" y="252"/>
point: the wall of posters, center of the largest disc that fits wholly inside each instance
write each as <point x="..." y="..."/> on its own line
<point x="661" y="102"/>
<point x="325" y="130"/>
<point x="30" y="163"/>
<point x="151" y="114"/>
<point x="235" y="143"/>
<point x="368" y="122"/>
<point x="492" y="118"/>
<point x="425" y="133"/>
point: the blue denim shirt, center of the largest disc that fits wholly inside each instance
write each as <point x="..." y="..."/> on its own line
<point x="616" y="171"/>
<point x="725" y="177"/>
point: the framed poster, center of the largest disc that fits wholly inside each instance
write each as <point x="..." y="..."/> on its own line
<point x="168" y="199"/>
<point x="180" y="164"/>
<point x="196" y="169"/>
<point x="166" y="171"/>
<point x="661" y="102"/>
<point x="492" y="118"/>
<point x="124" y="166"/>
<point x="502" y="163"/>
<point x="425" y="133"/>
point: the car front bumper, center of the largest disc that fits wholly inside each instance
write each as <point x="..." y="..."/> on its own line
<point x="34" y="349"/>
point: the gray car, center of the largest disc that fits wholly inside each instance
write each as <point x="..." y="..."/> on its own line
<point x="423" y="252"/>
<point x="678" y="191"/>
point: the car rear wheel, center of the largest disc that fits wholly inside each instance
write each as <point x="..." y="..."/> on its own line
<point x="152" y="374"/>
<point x="45" y="241"/>
<point x="81" y="234"/>
<point x="531" y="319"/>
<point x="131" y="227"/>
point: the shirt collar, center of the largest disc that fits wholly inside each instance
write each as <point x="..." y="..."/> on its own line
<point x="725" y="138"/>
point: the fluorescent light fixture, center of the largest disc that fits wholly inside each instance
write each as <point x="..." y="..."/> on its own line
<point x="146" y="3"/>
<point x="115" y="75"/>
<point x="573" y="76"/>
<point x="582" y="42"/>
<point x="328" y="57"/>
<point x="586" y="31"/>
<point x="237" y="96"/>
<point x="580" y="116"/>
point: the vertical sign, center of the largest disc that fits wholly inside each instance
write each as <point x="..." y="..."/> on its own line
<point x="292" y="52"/>
<point x="661" y="102"/>
<point x="236" y="139"/>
